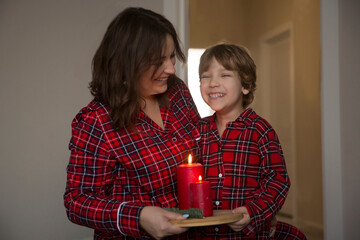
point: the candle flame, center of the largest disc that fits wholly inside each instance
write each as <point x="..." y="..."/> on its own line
<point x="200" y="178"/>
<point x="190" y="159"/>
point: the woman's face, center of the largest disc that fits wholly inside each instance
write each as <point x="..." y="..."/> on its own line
<point x="152" y="84"/>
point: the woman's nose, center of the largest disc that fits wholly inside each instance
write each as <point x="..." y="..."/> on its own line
<point x="169" y="67"/>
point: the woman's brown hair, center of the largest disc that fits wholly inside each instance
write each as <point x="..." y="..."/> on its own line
<point x="132" y="43"/>
<point x="233" y="58"/>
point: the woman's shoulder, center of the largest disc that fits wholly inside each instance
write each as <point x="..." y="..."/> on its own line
<point x="179" y="94"/>
<point x="177" y="86"/>
<point x="95" y="111"/>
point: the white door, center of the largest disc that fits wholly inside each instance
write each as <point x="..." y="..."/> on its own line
<point x="276" y="85"/>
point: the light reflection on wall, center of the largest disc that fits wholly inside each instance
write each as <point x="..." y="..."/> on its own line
<point x="194" y="55"/>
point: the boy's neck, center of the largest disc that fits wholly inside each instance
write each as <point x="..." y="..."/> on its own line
<point x="223" y="118"/>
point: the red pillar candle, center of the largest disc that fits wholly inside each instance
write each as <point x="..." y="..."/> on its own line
<point x="201" y="196"/>
<point x="187" y="173"/>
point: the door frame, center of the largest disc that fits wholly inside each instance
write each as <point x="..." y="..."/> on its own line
<point x="177" y="12"/>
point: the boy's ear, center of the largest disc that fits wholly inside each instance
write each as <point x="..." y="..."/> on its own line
<point x="245" y="91"/>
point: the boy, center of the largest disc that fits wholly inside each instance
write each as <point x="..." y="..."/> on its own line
<point x="241" y="152"/>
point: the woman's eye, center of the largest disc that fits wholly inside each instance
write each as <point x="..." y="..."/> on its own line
<point x="158" y="62"/>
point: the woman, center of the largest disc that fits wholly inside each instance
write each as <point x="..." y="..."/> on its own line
<point x="127" y="142"/>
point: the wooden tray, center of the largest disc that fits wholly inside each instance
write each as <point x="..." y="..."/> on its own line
<point x="219" y="217"/>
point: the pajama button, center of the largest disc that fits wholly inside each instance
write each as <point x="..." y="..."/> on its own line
<point x="174" y="139"/>
<point x="217" y="203"/>
<point x="220" y="175"/>
<point x="216" y="229"/>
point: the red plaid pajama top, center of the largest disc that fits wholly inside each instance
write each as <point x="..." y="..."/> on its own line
<point x="246" y="167"/>
<point x="112" y="175"/>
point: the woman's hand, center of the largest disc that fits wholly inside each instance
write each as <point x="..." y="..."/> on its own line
<point x="156" y="222"/>
<point x="242" y="223"/>
<point x="273" y="227"/>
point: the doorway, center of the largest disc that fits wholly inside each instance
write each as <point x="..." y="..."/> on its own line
<point x="288" y="86"/>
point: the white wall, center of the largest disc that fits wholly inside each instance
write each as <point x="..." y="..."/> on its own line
<point x="341" y="117"/>
<point x="349" y="38"/>
<point x="46" y="47"/>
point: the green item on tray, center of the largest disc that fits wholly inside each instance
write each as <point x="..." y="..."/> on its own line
<point x="193" y="212"/>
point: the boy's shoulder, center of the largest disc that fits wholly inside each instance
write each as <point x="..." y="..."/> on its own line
<point x="252" y="119"/>
<point x="207" y="124"/>
<point x="207" y="120"/>
<point x="248" y="117"/>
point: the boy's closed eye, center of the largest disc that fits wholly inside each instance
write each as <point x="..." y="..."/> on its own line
<point x="227" y="74"/>
<point x="204" y="76"/>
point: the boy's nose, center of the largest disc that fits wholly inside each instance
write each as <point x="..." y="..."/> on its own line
<point x="214" y="81"/>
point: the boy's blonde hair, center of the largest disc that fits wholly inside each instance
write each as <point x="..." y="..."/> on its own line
<point x="233" y="58"/>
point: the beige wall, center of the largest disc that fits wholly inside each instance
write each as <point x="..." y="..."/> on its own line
<point x="308" y="109"/>
<point x="212" y="21"/>
<point x="245" y="22"/>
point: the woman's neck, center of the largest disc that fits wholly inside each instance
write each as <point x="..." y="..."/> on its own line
<point x="152" y="109"/>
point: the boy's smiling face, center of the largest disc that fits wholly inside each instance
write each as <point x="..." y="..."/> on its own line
<point x="221" y="89"/>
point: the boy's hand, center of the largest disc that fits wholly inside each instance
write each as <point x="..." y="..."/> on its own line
<point x="242" y="223"/>
<point x="156" y="222"/>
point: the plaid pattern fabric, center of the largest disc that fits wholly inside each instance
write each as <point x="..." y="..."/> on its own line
<point x="112" y="175"/>
<point x="285" y="231"/>
<point x="246" y="167"/>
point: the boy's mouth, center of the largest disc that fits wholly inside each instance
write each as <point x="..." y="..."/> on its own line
<point x="216" y="95"/>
